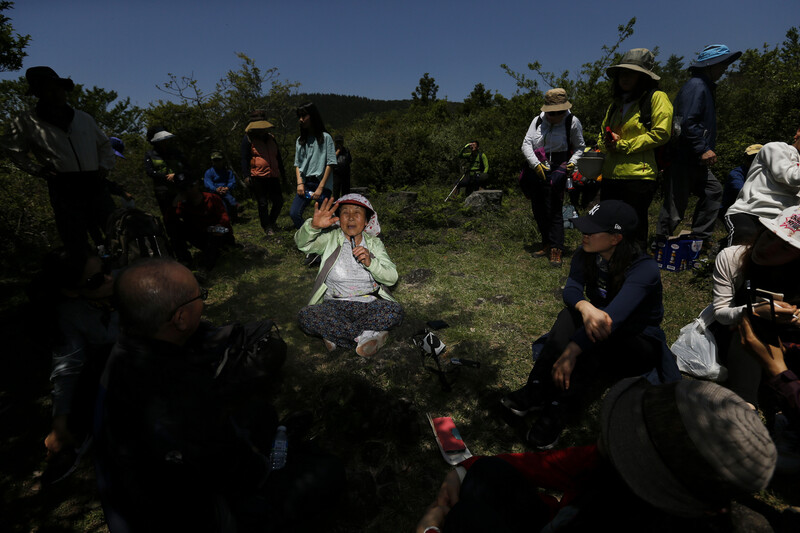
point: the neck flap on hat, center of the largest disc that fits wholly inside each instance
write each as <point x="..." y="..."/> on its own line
<point x="373" y="228"/>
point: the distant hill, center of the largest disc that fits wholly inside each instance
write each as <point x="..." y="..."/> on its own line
<point x="340" y="111"/>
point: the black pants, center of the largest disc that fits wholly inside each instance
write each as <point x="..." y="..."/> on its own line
<point x="267" y="191"/>
<point x="496" y="497"/>
<point x="473" y="181"/>
<point x="743" y="228"/>
<point x="546" y="203"/>
<point x="80" y="208"/>
<point x="684" y="177"/>
<point x="636" y="193"/>
<point x="623" y="354"/>
<point x="341" y="183"/>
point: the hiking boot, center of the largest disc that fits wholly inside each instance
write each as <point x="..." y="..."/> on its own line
<point x="369" y="342"/>
<point x="555" y="257"/>
<point x="330" y="346"/>
<point x="544" y="433"/>
<point x="520" y="402"/>
<point x="269" y="231"/>
<point x="64" y="463"/>
<point x="544" y="252"/>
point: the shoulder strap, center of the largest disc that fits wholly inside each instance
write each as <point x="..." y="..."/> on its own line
<point x="646" y="109"/>
<point x="568" y="130"/>
<point x="538" y="121"/>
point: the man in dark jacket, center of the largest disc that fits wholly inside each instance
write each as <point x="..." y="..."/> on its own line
<point x="695" y="116"/>
<point x="169" y="456"/>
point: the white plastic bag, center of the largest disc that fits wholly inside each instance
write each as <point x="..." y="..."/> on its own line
<point x="696" y="349"/>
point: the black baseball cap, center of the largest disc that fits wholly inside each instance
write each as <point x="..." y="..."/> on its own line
<point x="610" y="216"/>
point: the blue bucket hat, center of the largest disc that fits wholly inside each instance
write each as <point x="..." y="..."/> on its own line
<point x="714" y="54"/>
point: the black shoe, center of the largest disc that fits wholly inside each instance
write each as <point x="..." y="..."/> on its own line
<point x="544" y="433"/>
<point x="312" y="259"/>
<point x="520" y="402"/>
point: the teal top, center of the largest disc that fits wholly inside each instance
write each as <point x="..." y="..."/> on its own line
<point x="312" y="158"/>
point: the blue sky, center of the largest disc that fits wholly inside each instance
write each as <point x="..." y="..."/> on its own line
<point x="372" y="48"/>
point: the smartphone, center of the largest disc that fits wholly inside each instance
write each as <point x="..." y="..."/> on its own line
<point x="448" y="435"/>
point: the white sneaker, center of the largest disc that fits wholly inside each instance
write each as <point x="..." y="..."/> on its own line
<point x="369" y="342"/>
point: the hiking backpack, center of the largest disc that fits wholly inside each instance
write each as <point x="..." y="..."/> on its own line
<point x="133" y="234"/>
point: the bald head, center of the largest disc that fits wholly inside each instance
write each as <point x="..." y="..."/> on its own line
<point x="151" y="294"/>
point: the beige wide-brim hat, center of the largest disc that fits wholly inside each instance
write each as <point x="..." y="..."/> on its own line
<point x="639" y="59"/>
<point x="556" y="100"/>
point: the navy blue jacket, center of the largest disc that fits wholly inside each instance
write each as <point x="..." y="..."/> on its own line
<point x="637" y="308"/>
<point x="694" y="107"/>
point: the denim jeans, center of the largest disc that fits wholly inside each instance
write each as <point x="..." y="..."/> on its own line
<point x="300" y="202"/>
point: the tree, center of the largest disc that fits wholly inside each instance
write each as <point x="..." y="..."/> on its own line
<point x="216" y="120"/>
<point x="425" y="93"/>
<point x="479" y="98"/>
<point x="12" y="45"/>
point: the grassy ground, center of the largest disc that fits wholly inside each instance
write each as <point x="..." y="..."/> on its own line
<point x="475" y="272"/>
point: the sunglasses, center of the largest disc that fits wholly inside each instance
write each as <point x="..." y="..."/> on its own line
<point x="96" y="280"/>
<point x="202" y="296"/>
<point x="555" y="113"/>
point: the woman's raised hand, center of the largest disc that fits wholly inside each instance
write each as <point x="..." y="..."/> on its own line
<point x="324" y="214"/>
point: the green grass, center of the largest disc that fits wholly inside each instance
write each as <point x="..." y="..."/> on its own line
<point x="476" y="273"/>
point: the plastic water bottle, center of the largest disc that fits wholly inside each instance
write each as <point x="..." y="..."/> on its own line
<point x="280" y="449"/>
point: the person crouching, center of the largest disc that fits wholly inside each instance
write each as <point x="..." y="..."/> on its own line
<point x="350" y="305"/>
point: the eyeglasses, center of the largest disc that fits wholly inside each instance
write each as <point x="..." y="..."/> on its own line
<point x="555" y="113"/>
<point x="202" y="296"/>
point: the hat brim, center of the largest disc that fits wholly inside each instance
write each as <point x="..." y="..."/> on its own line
<point x="65" y="83"/>
<point x="557" y="107"/>
<point x="585" y="224"/>
<point x="610" y="71"/>
<point x="259" y="125"/>
<point x="162" y="136"/>
<point x="339" y="204"/>
<point x="728" y="58"/>
<point x="774" y="228"/>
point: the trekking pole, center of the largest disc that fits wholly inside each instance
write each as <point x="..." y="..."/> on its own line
<point x="456" y="185"/>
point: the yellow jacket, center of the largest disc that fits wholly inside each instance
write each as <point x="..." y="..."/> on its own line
<point x="633" y="157"/>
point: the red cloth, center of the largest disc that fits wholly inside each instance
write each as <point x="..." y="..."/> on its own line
<point x="566" y="471"/>
<point x="210" y="212"/>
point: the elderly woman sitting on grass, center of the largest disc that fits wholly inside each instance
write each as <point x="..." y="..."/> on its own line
<point x="350" y="305"/>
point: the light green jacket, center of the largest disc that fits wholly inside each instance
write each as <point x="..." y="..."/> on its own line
<point x="634" y="156"/>
<point x="327" y="243"/>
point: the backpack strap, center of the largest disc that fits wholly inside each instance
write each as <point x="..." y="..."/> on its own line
<point x="646" y="109"/>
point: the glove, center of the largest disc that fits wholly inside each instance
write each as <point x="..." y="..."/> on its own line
<point x="539" y="170"/>
<point x="570" y="167"/>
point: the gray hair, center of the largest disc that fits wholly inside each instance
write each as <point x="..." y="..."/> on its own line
<point x="148" y="294"/>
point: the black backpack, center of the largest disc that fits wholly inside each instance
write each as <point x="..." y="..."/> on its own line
<point x="133" y="234"/>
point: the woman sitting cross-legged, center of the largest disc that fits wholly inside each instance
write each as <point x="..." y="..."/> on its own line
<point x="614" y="329"/>
<point x="350" y="305"/>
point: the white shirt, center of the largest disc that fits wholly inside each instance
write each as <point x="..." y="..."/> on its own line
<point x="772" y="184"/>
<point x="553" y="138"/>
